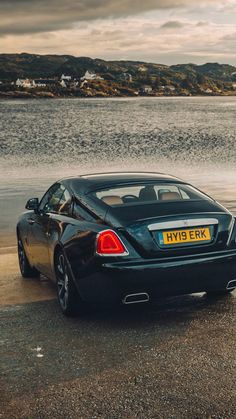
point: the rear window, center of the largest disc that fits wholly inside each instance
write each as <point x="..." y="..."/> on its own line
<point x="147" y="193"/>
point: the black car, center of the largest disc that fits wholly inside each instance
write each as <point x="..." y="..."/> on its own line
<point x="127" y="238"/>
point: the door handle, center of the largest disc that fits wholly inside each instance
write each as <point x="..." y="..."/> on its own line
<point x="31" y="221"/>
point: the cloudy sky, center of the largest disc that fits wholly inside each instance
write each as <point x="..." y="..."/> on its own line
<point x="162" y="31"/>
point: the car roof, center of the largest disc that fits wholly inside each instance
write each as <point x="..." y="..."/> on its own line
<point x="94" y="181"/>
<point x="126" y="176"/>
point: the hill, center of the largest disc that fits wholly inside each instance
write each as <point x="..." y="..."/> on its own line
<point x="162" y="79"/>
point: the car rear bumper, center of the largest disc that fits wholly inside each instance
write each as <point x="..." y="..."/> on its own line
<point x="112" y="281"/>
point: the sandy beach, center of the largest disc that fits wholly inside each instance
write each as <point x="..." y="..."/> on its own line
<point x="16" y="290"/>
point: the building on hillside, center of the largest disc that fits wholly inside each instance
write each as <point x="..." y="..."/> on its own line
<point x="90" y="76"/>
<point x="146" y="89"/>
<point x="127" y="77"/>
<point x="142" y="68"/>
<point x="208" y="90"/>
<point x="66" y="78"/>
<point x="44" y="82"/>
<point x="26" y="83"/>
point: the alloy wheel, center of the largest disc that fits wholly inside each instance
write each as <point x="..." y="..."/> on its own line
<point x="21" y="254"/>
<point x="62" y="281"/>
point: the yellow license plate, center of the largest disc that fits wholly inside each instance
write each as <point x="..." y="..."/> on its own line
<point x="185" y="236"/>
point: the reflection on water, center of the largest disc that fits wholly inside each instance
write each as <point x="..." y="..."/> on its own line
<point x="41" y="141"/>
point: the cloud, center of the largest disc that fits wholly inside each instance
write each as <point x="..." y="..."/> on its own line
<point x="230" y="37"/>
<point x="32" y="16"/>
<point x="202" y="23"/>
<point x="172" y="24"/>
<point x="151" y="30"/>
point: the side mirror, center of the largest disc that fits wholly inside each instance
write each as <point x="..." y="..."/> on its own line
<point x="32" y="204"/>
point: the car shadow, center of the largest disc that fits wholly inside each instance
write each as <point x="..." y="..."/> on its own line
<point x="165" y="311"/>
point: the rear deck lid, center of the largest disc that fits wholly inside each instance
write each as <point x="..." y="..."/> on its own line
<point x="174" y="228"/>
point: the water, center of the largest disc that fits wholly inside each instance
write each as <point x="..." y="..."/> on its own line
<point x="43" y="140"/>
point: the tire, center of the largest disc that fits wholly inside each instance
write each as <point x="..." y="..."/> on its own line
<point x="27" y="271"/>
<point x="67" y="294"/>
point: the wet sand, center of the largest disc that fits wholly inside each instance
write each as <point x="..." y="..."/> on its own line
<point x="16" y="290"/>
<point x="7" y="242"/>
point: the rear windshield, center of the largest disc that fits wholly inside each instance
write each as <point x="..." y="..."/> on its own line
<point x="147" y="193"/>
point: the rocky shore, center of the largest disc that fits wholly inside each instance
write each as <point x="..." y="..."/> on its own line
<point x="101" y="93"/>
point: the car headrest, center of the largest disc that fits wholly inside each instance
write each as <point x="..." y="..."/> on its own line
<point x="169" y="196"/>
<point x="147" y="194"/>
<point x="112" y="200"/>
<point x="161" y="191"/>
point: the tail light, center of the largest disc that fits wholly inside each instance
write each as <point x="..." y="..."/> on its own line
<point x="109" y="244"/>
<point x="232" y="234"/>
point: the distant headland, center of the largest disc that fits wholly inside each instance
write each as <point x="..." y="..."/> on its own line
<point x="54" y="76"/>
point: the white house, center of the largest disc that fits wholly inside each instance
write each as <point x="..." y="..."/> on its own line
<point x="208" y="90"/>
<point x="44" y="82"/>
<point x="66" y="78"/>
<point x="26" y="83"/>
<point x="90" y="76"/>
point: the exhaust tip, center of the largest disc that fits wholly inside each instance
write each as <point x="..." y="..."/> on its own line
<point x="231" y="285"/>
<point x="141" y="297"/>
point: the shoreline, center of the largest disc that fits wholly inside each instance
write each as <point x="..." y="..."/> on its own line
<point x="49" y="97"/>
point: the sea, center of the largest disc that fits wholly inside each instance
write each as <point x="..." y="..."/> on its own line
<point x="43" y="140"/>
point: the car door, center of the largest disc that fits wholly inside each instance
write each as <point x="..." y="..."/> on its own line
<point x="39" y="231"/>
<point x="60" y="220"/>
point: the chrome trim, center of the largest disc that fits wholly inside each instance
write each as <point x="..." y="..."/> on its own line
<point x="126" y="253"/>
<point x="231" y="229"/>
<point x="183" y="223"/>
<point x="144" y="300"/>
<point x="230" y="285"/>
